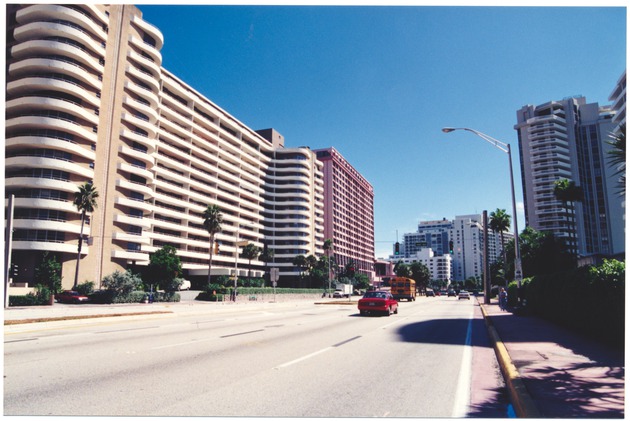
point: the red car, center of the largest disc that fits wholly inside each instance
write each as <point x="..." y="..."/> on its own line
<point x="378" y="302"/>
<point x="71" y="297"/>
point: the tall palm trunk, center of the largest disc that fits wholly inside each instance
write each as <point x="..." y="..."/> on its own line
<point x="210" y="259"/>
<point x="76" y="272"/>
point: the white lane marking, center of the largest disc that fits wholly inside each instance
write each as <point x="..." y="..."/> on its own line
<point x="195" y="341"/>
<point x="462" y="394"/>
<point x="321" y="351"/>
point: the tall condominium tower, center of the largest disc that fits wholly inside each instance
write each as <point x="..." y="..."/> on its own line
<point x="349" y="212"/>
<point x="89" y="101"/>
<point x="294" y="207"/>
<point x="568" y="139"/>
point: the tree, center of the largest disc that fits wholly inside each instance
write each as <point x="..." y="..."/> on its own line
<point x="617" y="158"/>
<point x="164" y="267"/>
<point x="401" y="269"/>
<point x="48" y="273"/>
<point x="541" y="253"/>
<point x="421" y="274"/>
<point x="328" y="248"/>
<point x="85" y="202"/>
<point x="212" y="219"/>
<point x="266" y="256"/>
<point x="568" y="192"/>
<point x="250" y="252"/>
<point x="499" y="223"/>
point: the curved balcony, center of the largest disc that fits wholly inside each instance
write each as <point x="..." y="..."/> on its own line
<point x="137" y="154"/>
<point x="49" y="47"/>
<point x="43" y="29"/>
<point x="126" y="236"/>
<point x="35" y="83"/>
<point x="143" y="124"/>
<point x="50" y="11"/>
<point x="49" y="143"/>
<point x="30" y="103"/>
<point x="143" y="92"/>
<point x="133" y="169"/>
<point x="147" y="78"/>
<point x="132" y="220"/>
<point x="48" y="163"/>
<point x="150" y="50"/>
<point x="146" y="207"/>
<point x="150" y="30"/>
<point x="132" y="256"/>
<point x="48" y="246"/>
<point x="153" y="67"/>
<point x="143" y="140"/>
<point x="146" y="190"/>
<point x="39" y="183"/>
<point x="45" y="65"/>
<point x="29" y="122"/>
<point x="143" y="108"/>
<point x="37" y="203"/>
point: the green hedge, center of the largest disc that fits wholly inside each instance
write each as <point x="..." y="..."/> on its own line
<point x="244" y="291"/>
<point x="588" y="299"/>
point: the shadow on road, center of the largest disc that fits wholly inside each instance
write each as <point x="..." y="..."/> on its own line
<point x="445" y="331"/>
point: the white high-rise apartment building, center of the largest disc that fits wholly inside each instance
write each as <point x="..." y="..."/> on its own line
<point x="466" y="234"/>
<point x="89" y="101"/>
<point x="568" y="139"/>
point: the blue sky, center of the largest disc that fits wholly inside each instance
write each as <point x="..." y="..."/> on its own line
<point x="379" y="83"/>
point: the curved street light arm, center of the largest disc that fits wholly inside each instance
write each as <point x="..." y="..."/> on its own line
<point x="496" y="143"/>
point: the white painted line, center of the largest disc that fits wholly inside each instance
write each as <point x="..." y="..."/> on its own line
<point x="462" y="394"/>
<point x="321" y="351"/>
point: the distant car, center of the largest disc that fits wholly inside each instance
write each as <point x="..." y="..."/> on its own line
<point x="463" y="295"/>
<point x="430" y="294"/>
<point x="338" y="294"/>
<point x="185" y="286"/>
<point x="378" y="302"/>
<point x="71" y="297"/>
<point x="451" y="293"/>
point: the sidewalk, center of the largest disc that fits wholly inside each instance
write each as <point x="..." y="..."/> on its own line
<point x="552" y="372"/>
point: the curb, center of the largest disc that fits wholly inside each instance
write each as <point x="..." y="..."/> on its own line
<point x="524" y="405"/>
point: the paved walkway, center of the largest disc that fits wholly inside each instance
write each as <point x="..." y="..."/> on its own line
<point x="552" y="372"/>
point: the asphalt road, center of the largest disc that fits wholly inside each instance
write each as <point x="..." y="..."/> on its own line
<point x="303" y="361"/>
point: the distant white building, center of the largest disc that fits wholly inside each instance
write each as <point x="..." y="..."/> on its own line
<point x="440" y="266"/>
<point x="432" y="243"/>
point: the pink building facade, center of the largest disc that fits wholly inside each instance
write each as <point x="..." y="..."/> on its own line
<point x="348" y="212"/>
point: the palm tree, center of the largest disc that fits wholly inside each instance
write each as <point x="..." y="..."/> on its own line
<point x="250" y="252"/>
<point x="568" y="192"/>
<point x="617" y="157"/>
<point x="500" y="222"/>
<point x="266" y="256"/>
<point x="328" y="245"/>
<point x="85" y="202"/>
<point x="212" y="219"/>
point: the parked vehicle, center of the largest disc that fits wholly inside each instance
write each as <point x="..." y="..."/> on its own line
<point x="403" y="288"/>
<point x="71" y="297"/>
<point x="463" y="295"/>
<point x="185" y="286"/>
<point x="430" y="294"/>
<point x="382" y="302"/>
<point x="343" y="290"/>
<point x="452" y="293"/>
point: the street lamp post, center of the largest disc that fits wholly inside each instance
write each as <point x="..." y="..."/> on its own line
<point x="505" y="147"/>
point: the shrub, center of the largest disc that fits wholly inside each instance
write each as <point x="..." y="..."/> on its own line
<point x="85" y="288"/>
<point x="41" y="297"/>
<point x="122" y="283"/>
